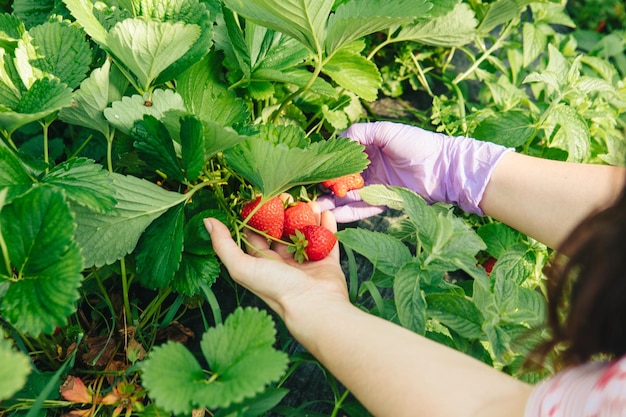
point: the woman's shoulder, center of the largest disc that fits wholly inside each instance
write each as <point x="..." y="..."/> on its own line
<point x="593" y="389"/>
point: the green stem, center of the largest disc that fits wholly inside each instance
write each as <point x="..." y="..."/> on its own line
<point x="154" y="307"/>
<point x="125" y="292"/>
<point x="292" y="96"/>
<point x="213" y="303"/>
<point x="110" y="151"/>
<point x="339" y="403"/>
<point x="5" y="252"/>
<point x="496" y="45"/>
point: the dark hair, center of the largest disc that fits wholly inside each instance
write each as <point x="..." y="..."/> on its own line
<point x="587" y="290"/>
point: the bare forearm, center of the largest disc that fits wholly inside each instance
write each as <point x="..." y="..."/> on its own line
<point x="547" y="199"/>
<point x="395" y="372"/>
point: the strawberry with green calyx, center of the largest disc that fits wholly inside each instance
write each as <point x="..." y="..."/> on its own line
<point x="297" y="216"/>
<point x="269" y="218"/>
<point x="340" y="186"/>
<point x="312" y="243"/>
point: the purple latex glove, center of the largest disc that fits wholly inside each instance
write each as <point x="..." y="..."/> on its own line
<point x="438" y="167"/>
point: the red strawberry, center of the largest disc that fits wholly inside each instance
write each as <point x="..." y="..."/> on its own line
<point x="312" y="243"/>
<point x="340" y="186"/>
<point x="296" y="217"/>
<point x="269" y="218"/>
<point x="488" y="264"/>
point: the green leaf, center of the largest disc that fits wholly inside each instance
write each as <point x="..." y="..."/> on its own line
<point x="14" y="369"/>
<point x="456" y="28"/>
<point x="156" y="147"/>
<point x="159" y="250"/>
<point x="242" y="362"/>
<point x="82" y="10"/>
<point x="410" y="301"/>
<point x="516" y="264"/>
<point x="275" y="164"/>
<point x="499" y="12"/>
<point x="38" y="228"/>
<point x="295" y="76"/>
<point x="194" y="272"/>
<point x="356" y="19"/>
<point x="354" y="73"/>
<point x="498" y="237"/>
<point x="32" y="12"/>
<point x="190" y="12"/>
<point x="381" y="195"/>
<point x="61" y="50"/>
<point x="13" y="174"/>
<point x="84" y="182"/>
<point x="12" y="30"/>
<point x="218" y="138"/>
<point x="45" y="97"/>
<point x="568" y="131"/>
<point x="535" y="41"/>
<point x="256" y="406"/>
<point x="172" y="376"/>
<point x="385" y="252"/>
<point x="457" y="313"/>
<point x="104" y="86"/>
<point x="107" y="237"/>
<point x="241" y="359"/>
<point x="123" y="114"/>
<point x="511" y="129"/>
<point x="304" y="20"/>
<point x="148" y="47"/>
<point x="207" y="97"/>
<point x="192" y="140"/>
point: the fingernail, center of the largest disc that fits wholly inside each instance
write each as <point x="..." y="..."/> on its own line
<point x="208" y="225"/>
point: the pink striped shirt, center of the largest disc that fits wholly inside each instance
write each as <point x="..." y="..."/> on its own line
<point x="595" y="389"/>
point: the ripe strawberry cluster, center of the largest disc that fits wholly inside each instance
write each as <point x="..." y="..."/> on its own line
<point x="297" y="222"/>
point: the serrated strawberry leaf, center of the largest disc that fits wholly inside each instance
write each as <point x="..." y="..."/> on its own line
<point x="148" y="47"/>
<point x="82" y="10"/>
<point x="241" y="358"/>
<point x="160" y="249"/>
<point x="14" y="369"/>
<point x="104" y="86"/>
<point x="13" y="174"/>
<point x="280" y="161"/>
<point x="354" y="73"/>
<point x="190" y="12"/>
<point x="156" y="147"/>
<point x="455" y="28"/>
<point x="172" y="376"/>
<point x="354" y="20"/>
<point x="84" y="182"/>
<point x="207" y="97"/>
<point x="60" y="49"/>
<point x="38" y="231"/>
<point x="45" y="96"/>
<point x="191" y="140"/>
<point x="304" y="20"/>
<point x="194" y="272"/>
<point x="124" y="113"/>
<point x="107" y="237"/>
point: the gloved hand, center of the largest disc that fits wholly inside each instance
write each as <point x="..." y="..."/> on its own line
<point x="438" y="167"/>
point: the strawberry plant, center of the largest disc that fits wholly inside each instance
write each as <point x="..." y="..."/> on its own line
<point x="125" y="123"/>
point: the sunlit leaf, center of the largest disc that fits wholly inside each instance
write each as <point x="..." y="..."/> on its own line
<point x="354" y="73"/>
<point x="148" y="47"/>
<point x="107" y="237"/>
<point x="456" y="28"/>
<point x="104" y="86"/>
<point x="124" y="113"/>
<point x="457" y="313"/>
<point x="84" y="182"/>
<point x="14" y="369"/>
